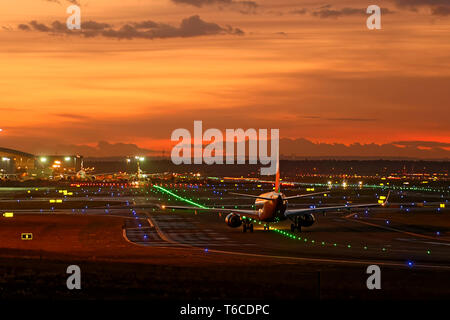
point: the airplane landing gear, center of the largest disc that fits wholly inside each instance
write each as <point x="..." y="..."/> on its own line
<point x="296" y="225"/>
<point x="247" y="226"/>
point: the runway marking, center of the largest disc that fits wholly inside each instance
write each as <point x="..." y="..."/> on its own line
<point x="397" y="230"/>
<point x="335" y="261"/>
<point x="427" y="242"/>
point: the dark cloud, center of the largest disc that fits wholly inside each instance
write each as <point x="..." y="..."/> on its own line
<point x="441" y="11"/>
<point x="300" y="148"/>
<point x="438" y="7"/>
<point x="419" y="3"/>
<point x="39" y="26"/>
<point x="93" y="25"/>
<point x="72" y="116"/>
<point x="190" y="27"/>
<point x="69" y="1"/>
<point x="327" y="12"/>
<point x="422" y="144"/>
<point x="102" y="149"/>
<point x="340" y="119"/>
<point x="298" y="11"/>
<point x="289" y="148"/>
<point x="24" y="27"/>
<point x="245" y="7"/>
<point x="145" y="24"/>
<point x="352" y="119"/>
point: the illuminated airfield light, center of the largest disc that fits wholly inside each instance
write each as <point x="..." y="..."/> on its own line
<point x="281" y="232"/>
<point x="178" y="197"/>
<point x="410" y="264"/>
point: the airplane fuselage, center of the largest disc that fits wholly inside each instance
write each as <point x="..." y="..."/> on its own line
<point x="271" y="210"/>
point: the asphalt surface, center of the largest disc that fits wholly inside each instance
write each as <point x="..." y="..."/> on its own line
<point x="335" y="238"/>
<point x="326" y="260"/>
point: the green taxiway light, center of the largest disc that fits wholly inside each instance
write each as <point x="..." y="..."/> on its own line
<point x="179" y="198"/>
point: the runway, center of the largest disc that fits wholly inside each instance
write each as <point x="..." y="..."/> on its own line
<point x="327" y="260"/>
<point x="335" y="239"/>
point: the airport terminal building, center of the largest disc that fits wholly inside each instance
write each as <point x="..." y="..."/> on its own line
<point x="16" y="162"/>
<point x="13" y="161"/>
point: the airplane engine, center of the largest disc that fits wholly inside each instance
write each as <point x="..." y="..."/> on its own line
<point x="233" y="220"/>
<point x="307" y="220"/>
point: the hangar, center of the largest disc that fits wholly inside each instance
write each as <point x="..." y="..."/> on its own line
<point x="14" y="161"/>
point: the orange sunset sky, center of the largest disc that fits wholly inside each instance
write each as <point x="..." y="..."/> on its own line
<point x="139" y="69"/>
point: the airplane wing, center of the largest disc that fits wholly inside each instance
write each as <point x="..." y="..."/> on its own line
<point x="299" y="212"/>
<point x="249" y="196"/>
<point x="306" y="195"/>
<point x="239" y="212"/>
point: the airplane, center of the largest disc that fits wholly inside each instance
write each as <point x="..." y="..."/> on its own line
<point x="273" y="207"/>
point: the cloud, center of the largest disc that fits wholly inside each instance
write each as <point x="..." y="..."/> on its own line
<point x="438" y="7"/>
<point x="24" y="27"/>
<point x="422" y="144"/>
<point x="72" y="116"/>
<point x="419" y="3"/>
<point x="298" y="11"/>
<point x="244" y="7"/>
<point x="39" y="26"/>
<point x="301" y="148"/>
<point x="441" y="11"/>
<point x="69" y="1"/>
<point x="190" y="27"/>
<point x="352" y="119"/>
<point x="327" y="12"/>
<point x="102" y="149"/>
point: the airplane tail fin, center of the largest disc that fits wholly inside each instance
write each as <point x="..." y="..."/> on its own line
<point x="277" y="177"/>
<point x="386" y="201"/>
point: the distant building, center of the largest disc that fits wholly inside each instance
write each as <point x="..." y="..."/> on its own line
<point x="14" y="161"/>
<point x="60" y="164"/>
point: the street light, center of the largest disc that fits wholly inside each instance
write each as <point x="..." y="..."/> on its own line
<point x="43" y="159"/>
